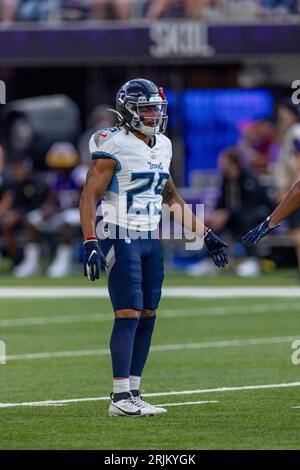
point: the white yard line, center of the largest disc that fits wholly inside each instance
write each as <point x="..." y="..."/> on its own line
<point x="175" y="292"/>
<point x="206" y="311"/>
<point x="189" y="403"/>
<point x="157" y="394"/>
<point x="56" y="320"/>
<point x="158" y="348"/>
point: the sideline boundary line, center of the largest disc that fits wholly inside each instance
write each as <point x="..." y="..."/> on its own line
<point x="174" y="292"/>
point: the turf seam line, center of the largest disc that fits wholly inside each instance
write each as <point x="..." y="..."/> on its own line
<point x="156" y="394"/>
<point x="157" y="348"/>
<point x="163" y="314"/>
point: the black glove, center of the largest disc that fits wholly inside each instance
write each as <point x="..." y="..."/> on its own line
<point x="260" y="231"/>
<point x="215" y="247"/>
<point x="92" y="258"/>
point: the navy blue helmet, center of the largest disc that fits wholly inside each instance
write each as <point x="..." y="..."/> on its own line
<point x="142" y="106"/>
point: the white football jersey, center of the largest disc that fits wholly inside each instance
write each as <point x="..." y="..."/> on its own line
<point x="134" y="196"/>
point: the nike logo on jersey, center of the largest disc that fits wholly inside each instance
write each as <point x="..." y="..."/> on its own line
<point x="103" y="135"/>
<point x="155" y="166"/>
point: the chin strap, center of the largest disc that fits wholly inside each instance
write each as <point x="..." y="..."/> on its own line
<point x="119" y="115"/>
<point x="121" y="121"/>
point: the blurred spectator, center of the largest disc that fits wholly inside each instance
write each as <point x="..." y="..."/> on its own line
<point x="4" y="172"/>
<point x="34" y="10"/>
<point x="242" y="204"/>
<point x="247" y="9"/>
<point x="5" y="196"/>
<point x="78" y="10"/>
<point x="280" y="7"/>
<point x="288" y="167"/>
<point x="74" y="10"/>
<point x="8" y="9"/>
<point x="106" y="9"/>
<point x="188" y="8"/>
<point x="209" y="9"/>
<point x="23" y="194"/>
<point x="100" y="118"/>
<point x="257" y="143"/>
<point x="58" y="215"/>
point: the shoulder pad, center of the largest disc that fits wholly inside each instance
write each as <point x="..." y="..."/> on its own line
<point x="104" y="135"/>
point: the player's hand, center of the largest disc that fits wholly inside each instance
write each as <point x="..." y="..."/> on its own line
<point x="215" y="247"/>
<point x="260" y="231"/>
<point x="92" y="258"/>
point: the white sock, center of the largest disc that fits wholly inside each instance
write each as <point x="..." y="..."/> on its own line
<point x="135" y="382"/>
<point x="121" y="385"/>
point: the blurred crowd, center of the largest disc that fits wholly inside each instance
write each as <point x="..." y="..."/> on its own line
<point x="78" y="10"/>
<point x="39" y="209"/>
<point x="39" y="215"/>
<point x="255" y="176"/>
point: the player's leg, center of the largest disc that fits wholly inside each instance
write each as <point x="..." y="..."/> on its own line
<point x="121" y="347"/>
<point x="141" y="347"/>
<point x="124" y="275"/>
<point x="10" y="226"/>
<point x="37" y="227"/>
<point x="153" y="273"/>
<point x="66" y="223"/>
<point x="140" y="353"/>
<point x="30" y="264"/>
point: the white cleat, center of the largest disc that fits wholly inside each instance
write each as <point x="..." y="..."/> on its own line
<point x="146" y="408"/>
<point x="250" y="267"/>
<point x="24" y="270"/>
<point x="124" y="407"/>
<point x="30" y="264"/>
<point x="61" y="265"/>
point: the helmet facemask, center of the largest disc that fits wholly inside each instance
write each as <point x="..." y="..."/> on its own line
<point x="148" y="117"/>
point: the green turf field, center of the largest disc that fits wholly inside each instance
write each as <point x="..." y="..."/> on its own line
<point x="198" y="345"/>
<point x="284" y="277"/>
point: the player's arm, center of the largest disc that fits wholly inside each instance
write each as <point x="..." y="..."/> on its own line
<point x="291" y="200"/>
<point x="294" y="172"/>
<point x="184" y="216"/>
<point x="97" y="181"/>
<point x="289" y="203"/>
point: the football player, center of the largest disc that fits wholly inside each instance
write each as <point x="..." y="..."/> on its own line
<point x="130" y="169"/>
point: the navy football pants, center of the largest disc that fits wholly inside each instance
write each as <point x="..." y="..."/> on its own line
<point x="135" y="273"/>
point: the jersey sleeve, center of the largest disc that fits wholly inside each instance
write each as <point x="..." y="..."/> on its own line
<point x="102" y="146"/>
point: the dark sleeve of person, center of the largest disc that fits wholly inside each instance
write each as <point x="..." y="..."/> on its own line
<point x="40" y="195"/>
<point x="221" y="203"/>
<point x="254" y="193"/>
